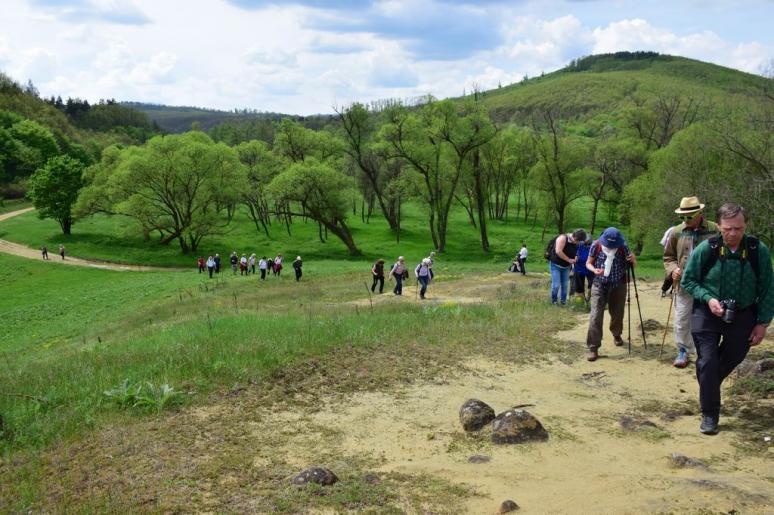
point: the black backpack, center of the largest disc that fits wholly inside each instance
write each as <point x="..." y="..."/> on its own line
<point x="749" y="253"/>
<point x="550" y="251"/>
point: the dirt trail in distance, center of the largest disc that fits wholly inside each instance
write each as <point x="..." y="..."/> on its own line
<point x="15" y="249"/>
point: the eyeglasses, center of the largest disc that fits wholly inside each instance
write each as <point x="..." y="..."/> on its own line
<point x="689" y="217"/>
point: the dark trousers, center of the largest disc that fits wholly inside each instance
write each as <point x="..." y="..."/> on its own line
<point x="378" y="279"/>
<point x="298" y="274"/>
<point x="720" y="347"/>
<point x="263" y="273"/>
<point x="201" y="268"/>
<point x="521" y="266"/>
<point x="210" y="270"/>
<point x="252" y="269"/>
<point x="398" y="290"/>
<point x="423" y="280"/>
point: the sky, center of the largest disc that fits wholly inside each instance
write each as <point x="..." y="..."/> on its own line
<point x="311" y="56"/>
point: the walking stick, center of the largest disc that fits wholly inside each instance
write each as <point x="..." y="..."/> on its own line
<point x="629" y="307"/>
<point x="639" y="309"/>
<point x="666" y="328"/>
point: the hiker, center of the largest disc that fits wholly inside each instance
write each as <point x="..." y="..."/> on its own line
<point x="297" y="267"/>
<point x="561" y="255"/>
<point x="522" y="258"/>
<point x="233" y="259"/>
<point x="44" y="252"/>
<point x="397" y="271"/>
<point x="278" y="265"/>
<point x="514" y="265"/>
<point x="200" y="263"/>
<point x="62" y="251"/>
<point x="580" y="274"/>
<point x="423" y="273"/>
<point x="263" y="264"/>
<point x="730" y="279"/>
<point x="243" y="265"/>
<point x="609" y="259"/>
<point x="377" y="271"/>
<point x="210" y="265"/>
<point x="251" y="261"/>
<point x="431" y="259"/>
<point x="681" y="242"/>
<point x="217" y="263"/>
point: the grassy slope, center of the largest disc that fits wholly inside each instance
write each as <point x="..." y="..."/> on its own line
<point x="615" y="84"/>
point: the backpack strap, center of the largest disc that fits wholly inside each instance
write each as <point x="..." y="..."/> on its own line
<point x="715" y="243"/>
<point x="749" y="253"/>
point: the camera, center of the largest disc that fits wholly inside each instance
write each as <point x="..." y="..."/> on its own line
<point x="729" y="310"/>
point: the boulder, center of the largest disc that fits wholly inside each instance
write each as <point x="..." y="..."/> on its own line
<point x="475" y="414"/>
<point x="319" y="475"/>
<point x="508" y="506"/>
<point x="517" y="426"/>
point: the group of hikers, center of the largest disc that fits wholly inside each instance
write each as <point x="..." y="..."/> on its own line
<point x="720" y="280"/>
<point x="247" y="265"/>
<point x="399" y="272"/>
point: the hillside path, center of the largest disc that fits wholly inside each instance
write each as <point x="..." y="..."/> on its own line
<point x="8" y="247"/>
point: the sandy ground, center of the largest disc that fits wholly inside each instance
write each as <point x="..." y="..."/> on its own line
<point x="15" y="249"/>
<point x="590" y="464"/>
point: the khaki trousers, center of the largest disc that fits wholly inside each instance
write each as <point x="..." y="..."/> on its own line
<point x="615" y="300"/>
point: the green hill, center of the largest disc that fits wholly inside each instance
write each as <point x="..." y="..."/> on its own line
<point x="607" y="83"/>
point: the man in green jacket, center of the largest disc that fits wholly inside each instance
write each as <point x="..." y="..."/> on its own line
<point x="682" y="240"/>
<point x="731" y="279"/>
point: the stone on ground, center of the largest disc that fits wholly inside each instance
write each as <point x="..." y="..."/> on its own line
<point x="319" y="475"/>
<point x="517" y="426"/>
<point x="475" y="414"/>
<point x="508" y="506"/>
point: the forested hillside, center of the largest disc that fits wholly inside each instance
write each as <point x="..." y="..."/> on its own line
<point x="34" y="130"/>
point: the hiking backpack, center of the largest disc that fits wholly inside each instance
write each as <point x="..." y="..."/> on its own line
<point x="550" y="251"/>
<point x="749" y="253"/>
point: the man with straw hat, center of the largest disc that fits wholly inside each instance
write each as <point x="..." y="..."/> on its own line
<point x="683" y="238"/>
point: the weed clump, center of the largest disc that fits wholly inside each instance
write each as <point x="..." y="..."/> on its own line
<point x="145" y="396"/>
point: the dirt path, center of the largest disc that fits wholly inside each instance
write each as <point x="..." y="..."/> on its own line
<point x="8" y="247"/>
<point x="590" y="464"/>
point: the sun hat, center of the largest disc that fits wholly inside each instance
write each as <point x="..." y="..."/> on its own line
<point x="689" y="205"/>
<point x="612" y="238"/>
<point x="426" y="261"/>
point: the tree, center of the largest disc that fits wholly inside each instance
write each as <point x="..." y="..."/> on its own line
<point x="436" y="145"/>
<point x="35" y="145"/>
<point x="184" y="187"/>
<point x="358" y="129"/>
<point x="54" y="189"/>
<point x="261" y="167"/>
<point x="561" y="171"/>
<point x="322" y="194"/>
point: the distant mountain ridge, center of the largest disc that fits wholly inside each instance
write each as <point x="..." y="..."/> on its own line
<point x="177" y="119"/>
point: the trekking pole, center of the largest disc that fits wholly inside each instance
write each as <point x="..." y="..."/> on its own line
<point x="639" y="309"/>
<point x="629" y="308"/>
<point x="666" y="328"/>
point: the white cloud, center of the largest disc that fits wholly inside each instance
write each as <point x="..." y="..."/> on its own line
<point x="297" y="59"/>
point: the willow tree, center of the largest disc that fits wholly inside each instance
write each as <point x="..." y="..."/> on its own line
<point x="184" y="187"/>
<point x="322" y="194"/>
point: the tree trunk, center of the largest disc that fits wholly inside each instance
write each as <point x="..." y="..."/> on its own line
<point x="480" y="201"/>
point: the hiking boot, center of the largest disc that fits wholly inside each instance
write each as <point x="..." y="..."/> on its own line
<point x="709" y="425"/>
<point x="618" y="341"/>
<point x="681" y="361"/>
<point x="592" y="355"/>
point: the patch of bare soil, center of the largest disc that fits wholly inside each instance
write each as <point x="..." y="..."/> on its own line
<point x="613" y="426"/>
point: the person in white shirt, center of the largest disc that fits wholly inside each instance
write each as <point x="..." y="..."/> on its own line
<point x="523" y="258"/>
<point x="423" y="274"/>
<point x="263" y="265"/>
<point x="397" y="271"/>
<point x="251" y="262"/>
